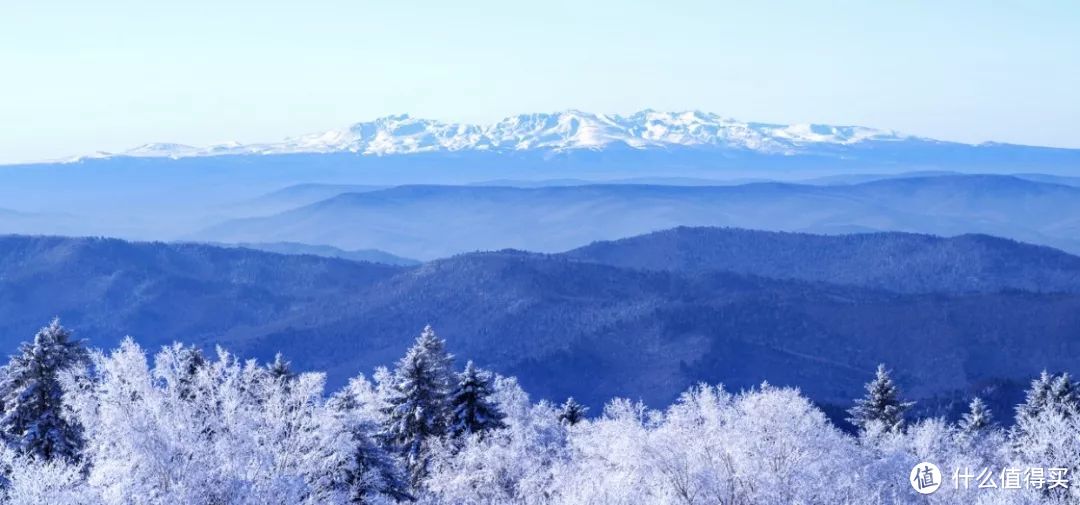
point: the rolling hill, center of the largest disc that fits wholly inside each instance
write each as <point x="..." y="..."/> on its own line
<point x="902" y="262"/>
<point x="566" y="324"/>
<point x="428" y="222"/>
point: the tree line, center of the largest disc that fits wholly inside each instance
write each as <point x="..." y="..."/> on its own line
<point x="82" y="426"/>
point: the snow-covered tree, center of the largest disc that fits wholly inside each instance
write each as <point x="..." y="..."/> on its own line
<point x="881" y="405"/>
<point x="242" y="438"/>
<point x="764" y="446"/>
<point x="35" y="420"/>
<point x="471" y="408"/>
<point x="1064" y="395"/>
<point x="1047" y="428"/>
<point x="371" y="473"/>
<point x="1037" y="397"/>
<point x="189" y="361"/>
<point x="977" y="418"/>
<point x="416" y="411"/>
<point x="511" y="465"/>
<point x="32" y="481"/>
<point x="280" y="369"/>
<point x="572" y="412"/>
<point x="1048" y="397"/>
<point x="201" y="430"/>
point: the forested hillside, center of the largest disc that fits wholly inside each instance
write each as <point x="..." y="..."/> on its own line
<point x="566" y="326"/>
<point x="128" y="425"/>
<point x="902" y="262"/>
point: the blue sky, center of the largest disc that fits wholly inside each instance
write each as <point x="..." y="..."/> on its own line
<point x="107" y="75"/>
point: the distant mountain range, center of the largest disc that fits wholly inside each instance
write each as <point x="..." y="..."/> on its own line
<point x="403" y="134"/>
<point x="428" y="222"/>
<point x="577" y="130"/>
<point x="642" y="317"/>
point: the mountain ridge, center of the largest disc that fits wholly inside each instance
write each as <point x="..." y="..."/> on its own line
<point x="404" y="219"/>
<point x="558" y="131"/>
<point x="563" y="325"/>
<point x="899" y="262"/>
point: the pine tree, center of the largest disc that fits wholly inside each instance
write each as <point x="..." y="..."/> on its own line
<point x="1050" y="399"/>
<point x="1037" y="397"/>
<point x="34" y="420"/>
<point x="279" y="369"/>
<point x="1049" y="392"/>
<point x="880" y="405"/>
<point x="371" y="472"/>
<point x="471" y="407"/>
<point x="417" y="407"/>
<point x="442" y="362"/>
<point x="977" y="418"/>
<point x="1064" y="396"/>
<point x="572" y="412"/>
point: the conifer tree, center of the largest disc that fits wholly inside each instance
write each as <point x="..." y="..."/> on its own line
<point x="881" y="404"/>
<point x="371" y="471"/>
<point x="572" y="412"/>
<point x="417" y="407"/>
<point x="1063" y="396"/>
<point x="34" y="421"/>
<point x="1050" y="399"/>
<point x="1051" y="393"/>
<point x="191" y="360"/>
<point x="280" y="369"/>
<point x="471" y="407"/>
<point x="1037" y="398"/>
<point x="977" y="418"/>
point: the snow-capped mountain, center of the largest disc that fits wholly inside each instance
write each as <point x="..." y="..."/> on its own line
<point x="403" y="134"/>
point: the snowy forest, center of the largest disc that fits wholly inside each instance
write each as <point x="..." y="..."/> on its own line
<point x="180" y="426"/>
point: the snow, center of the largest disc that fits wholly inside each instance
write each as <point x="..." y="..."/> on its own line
<point x="181" y="427"/>
<point x="560" y="131"/>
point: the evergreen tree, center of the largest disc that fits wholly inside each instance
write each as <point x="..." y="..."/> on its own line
<point x="1050" y="393"/>
<point x="34" y="421"/>
<point x="977" y="418"/>
<point x="572" y="412"/>
<point x="417" y="407"/>
<point x="1037" y="397"/>
<point x="880" y="405"/>
<point x="191" y="360"/>
<point x="442" y="362"/>
<point x="371" y="472"/>
<point x="1063" y="396"/>
<point x="471" y="407"/>
<point x="279" y="369"/>
<point x="1050" y="399"/>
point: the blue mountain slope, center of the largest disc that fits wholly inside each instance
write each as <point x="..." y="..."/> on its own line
<point x="293" y="196"/>
<point x="161" y="292"/>
<point x="161" y="198"/>
<point x="428" y="222"/>
<point x="368" y="255"/>
<point x="564" y="325"/>
<point x="902" y="262"/>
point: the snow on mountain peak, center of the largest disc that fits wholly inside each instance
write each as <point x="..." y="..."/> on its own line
<point x="559" y="131"/>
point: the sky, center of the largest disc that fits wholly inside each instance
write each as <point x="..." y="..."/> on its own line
<point x="78" y="77"/>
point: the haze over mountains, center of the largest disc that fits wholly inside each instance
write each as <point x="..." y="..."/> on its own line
<point x="428" y="222"/>
<point x="627" y="318"/>
<point x="174" y="192"/>
<point x="662" y="305"/>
